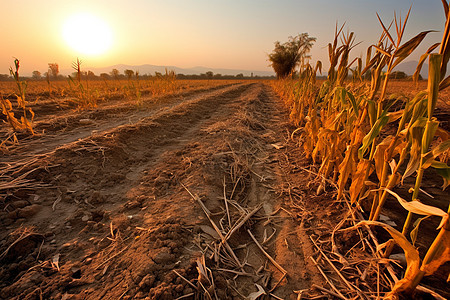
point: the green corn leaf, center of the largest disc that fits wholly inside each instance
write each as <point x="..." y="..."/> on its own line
<point x="340" y="95"/>
<point x="430" y="130"/>
<point x="434" y="77"/>
<point x="415" y="230"/>
<point x="415" y="138"/>
<point x="419" y="111"/>
<point x="444" y="171"/>
<point x="372" y="111"/>
<point x="374" y="131"/>
<point x="353" y="103"/>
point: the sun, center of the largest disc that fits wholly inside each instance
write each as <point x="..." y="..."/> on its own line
<point x="87" y="34"/>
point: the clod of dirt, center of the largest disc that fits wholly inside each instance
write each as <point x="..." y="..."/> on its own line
<point x="29" y="211"/>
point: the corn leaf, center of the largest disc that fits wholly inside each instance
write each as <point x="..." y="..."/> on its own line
<point x="415" y="137"/>
<point x="353" y="103"/>
<point x="407" y="48"/>
<point x="428" y="158"/>
<point x="415" y="230"/>
<point x="417" y="207"/>
<point x="368" y="139"/>
<point x="378" y="157"/>
<point x="419" y="110"/>
<point x="385" y="30"/>
<point x="382" y="51"/>
<point x="445" y="4"/>
<point x="443" y="134"/>
<point x="411" y="254"/>
<point x="372" y="111"/>
<point x="444" y="171"/>
<point x="422" y="60"/>
<point x="445" y="45"/>
<point x="428" y="135"/>
<point x="359" y="178"/>
<point x="371" y="63"/>
<point x="318" y="67"/>
<point x="444" y="83"/>
<point x="394" y="116"/>
<point x="441" y="256"/>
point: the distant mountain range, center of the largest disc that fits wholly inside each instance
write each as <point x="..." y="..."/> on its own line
<point x="151" y="69"/>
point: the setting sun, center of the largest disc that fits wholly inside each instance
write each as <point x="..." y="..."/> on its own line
<point x="87" y="34"/>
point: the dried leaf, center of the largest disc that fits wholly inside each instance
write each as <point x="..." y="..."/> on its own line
<point x="422" y="60"/>
<point x="411" y="254"/>
<point x="55" y="261"/>
<point x="429" y="157"/>
<point x="407" y="48"/>
<point x="277" y="146"/>
<point x="444" y="83"/>
<point x="379" y="155"/>
<point x="417" y="207"/>
<point x="256" y="295"/>
<point x="359" y="178"/>
<point x="210" y="231"/>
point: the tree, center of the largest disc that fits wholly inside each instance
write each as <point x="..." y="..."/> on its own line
<point x="209" y="74"/>
<point x="398" y="75"/>
<point x="104" y="75"/>
<point x="287" y="56"/>
<point x="53" y="68"/>
<point x="128" y="73"/>
<point x="91" y="75"/>
<point x="36" y="75"/>
<point x="115" y="73"/>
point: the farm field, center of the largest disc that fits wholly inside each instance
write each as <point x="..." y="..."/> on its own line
<point x="197" y="193"/>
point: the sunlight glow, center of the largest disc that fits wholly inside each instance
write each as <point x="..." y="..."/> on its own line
<point x="87" y="34"/>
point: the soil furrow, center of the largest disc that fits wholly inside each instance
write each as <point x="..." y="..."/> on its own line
<point x="68" y="129"/>
<point x="121" y="215"/>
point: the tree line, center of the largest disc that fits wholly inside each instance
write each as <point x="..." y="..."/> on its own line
<point x="53" y="74"/>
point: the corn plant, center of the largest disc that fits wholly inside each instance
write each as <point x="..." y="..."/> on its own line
<point x="25" y="123"/>
<point x="84" y="95"/>
<point x="341" y="123"/>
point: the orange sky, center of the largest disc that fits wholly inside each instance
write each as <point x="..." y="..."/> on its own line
<point x="217" y="34"/>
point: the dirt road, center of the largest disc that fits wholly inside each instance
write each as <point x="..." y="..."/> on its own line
<point x="177" y="199"/>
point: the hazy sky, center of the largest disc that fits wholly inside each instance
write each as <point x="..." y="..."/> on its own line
<point x="218" y="34"/>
